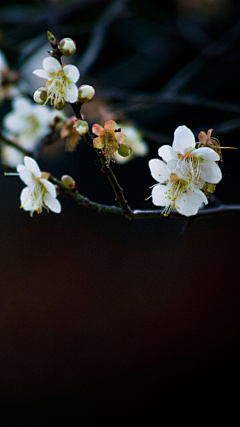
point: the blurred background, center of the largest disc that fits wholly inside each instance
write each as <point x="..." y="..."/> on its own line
<point x="104" y="319"/>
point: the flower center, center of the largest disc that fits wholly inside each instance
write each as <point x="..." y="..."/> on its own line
<point x="189" y="166"/>
<point x="110" y="145"/>
<point x="32" y="124"/>
<point x="57" y="87"/>
<point x="175" y="187"/>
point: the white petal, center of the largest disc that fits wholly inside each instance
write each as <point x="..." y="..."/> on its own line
<point x="13" y="122"/>
<point x="22" y="105"/>
<point x="52" y="203"/>
<point x="51" y="65"/>
<point x="159" y="170"/>
<point x="49" y="187"/>
<point x="206" y="153"/>
<point x="72" y="73"/>
<point x="172" y="164"/>
<point x="72" y="93"/>
<point x="212" y="172"/>
<point x="197" y="196"/>
<point x="32" y="165"/>
<point x="184" y="140"/>
<point x="189" y="203"/>
<point x="167" y="153"/>
<point x="42" y="73"/>
<point x="160" y="195"/>
<point x="25" y="174"/>
<point x="25" y="199"/>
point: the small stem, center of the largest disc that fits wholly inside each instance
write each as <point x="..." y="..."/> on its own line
<point x="106" y="168"/>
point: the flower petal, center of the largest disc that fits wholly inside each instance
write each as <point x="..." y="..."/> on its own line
<point x="41" y="73"/>
<point x="167" y="153"/>
<point x="184" y="140"/>
<point x="212" y="172"/>
<point x="97" y="143"/>
<point x="32" y="166"/>
<point x="52" y="203"/>
<point x="25" y="174"/>
<point x="159" y="170"/>
<point x="72" y="93"/>
<point x="206" y="153"/>
<point x="110" y="125"/>
<point x="172" y="165"/>
<point x="120" y="136"/>
<point x="25" y="199"/>
<point x="49" y="187"/>
<point x="97" y="129"/>
<point x="190" y="202"/>
<point x="160" y="195"/>
<point x="71" y="72"/>
<point x="22" y="105"/>
<point x="13" y="122"/>
<point x="51" y="65"/>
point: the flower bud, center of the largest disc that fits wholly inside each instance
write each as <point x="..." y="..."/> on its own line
<point x="60" y="104"/>
<point x="81" y="127"/>
<point x="52" y="39"/>
<point x="86" y="93"/>
<point x="125" y="150"/>
<point x="67" y="46"/>
<point x="40" y="96"/>
<point x="68" y="181"/>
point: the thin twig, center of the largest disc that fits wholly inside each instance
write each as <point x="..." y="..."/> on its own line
<point x="140" y="214"/>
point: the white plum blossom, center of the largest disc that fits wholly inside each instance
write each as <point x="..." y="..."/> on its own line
<point x="134" y="139"/>
<point x="194" y="165"/>
<point x="61" y="81"/>
<point x="39" y="193"/>
<point x="173" y="192"/>
<point x="28" y="122"/>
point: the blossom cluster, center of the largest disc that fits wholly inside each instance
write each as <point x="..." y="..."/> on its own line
<point x="186" y="175"/>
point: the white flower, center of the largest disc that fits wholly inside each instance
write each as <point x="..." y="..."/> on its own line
<point x="39" y="192"/>
<point x="61" y="80"/>
<point x="28" y="122"/>
<point x="173" y="192"/>
<point x="196" y="165"/>
<point x="134" y="139"/>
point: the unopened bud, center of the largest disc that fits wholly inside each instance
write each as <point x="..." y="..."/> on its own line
<point x="52" y="39"/>
<point x="125" y="150"/>
<point x="68" y="181"/>
<point x="86" y="93"/>
<point x="81" y="127"/>
<point x="60" y="104"/>
<point x="40" y="96"/>
<point x="67" y="46"/>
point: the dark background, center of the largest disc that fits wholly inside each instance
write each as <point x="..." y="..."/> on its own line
<point x="104" y="319"/>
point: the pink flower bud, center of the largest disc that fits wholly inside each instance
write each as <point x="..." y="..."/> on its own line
<point x="86" y="93"/>
<point x="67" y="46"/>
<point x="40" y="96"/>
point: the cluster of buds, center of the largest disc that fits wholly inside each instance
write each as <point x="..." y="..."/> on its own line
<point x="110" y="140"/>
<point x="61" y="79"/>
